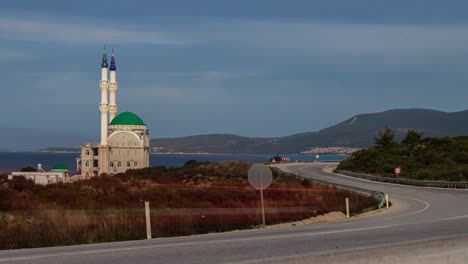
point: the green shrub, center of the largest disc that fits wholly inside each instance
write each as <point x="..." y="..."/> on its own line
<point x="442" y="159"/>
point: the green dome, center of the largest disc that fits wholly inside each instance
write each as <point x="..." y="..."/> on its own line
<point x="60" y="167"/>
<point x="127" y="118"/>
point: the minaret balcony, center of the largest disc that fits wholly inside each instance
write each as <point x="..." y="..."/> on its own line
<point x="112" y="109"/>
<point x="113" y="87"/>
<point x="104" y="107"/>
<point x="104" y="85"/>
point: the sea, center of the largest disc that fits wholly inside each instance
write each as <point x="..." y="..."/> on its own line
<point x="14" y="161"/>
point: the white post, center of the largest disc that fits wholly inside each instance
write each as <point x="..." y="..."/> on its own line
<point x="347" y="208"/>
<point x="263" y="208"/>
<point x="261" y="201"/>
<point x="386" y="200"/>
<point x="148" y="220"/>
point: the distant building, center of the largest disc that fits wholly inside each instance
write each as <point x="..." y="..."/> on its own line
<point x="58" y="173"/>
<point x="124" y="137"/>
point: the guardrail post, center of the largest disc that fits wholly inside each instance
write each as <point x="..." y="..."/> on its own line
<point x="148" y="220"/>
<point x="386" y="200"/>
<point x="347" y="207"/>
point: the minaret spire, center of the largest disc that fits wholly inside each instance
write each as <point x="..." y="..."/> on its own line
<point x="113" y="87"/>
<point x="112" y="67"/>
<point x="104" y="58"/>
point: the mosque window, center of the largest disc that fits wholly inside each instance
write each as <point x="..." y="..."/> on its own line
<point x="112" y="164"/>
<point x="128" y="163"/>
<point x="135" y="164"/>
<point x="119" y="164"/>
<point x="87" y="164"/>
<point x="87" y="152"/>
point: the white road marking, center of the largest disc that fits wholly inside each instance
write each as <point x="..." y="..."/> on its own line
<point x="426" y="204"/>
<point x="33" y="257"/>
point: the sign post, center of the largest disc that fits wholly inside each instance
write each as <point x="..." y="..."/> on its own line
<point x="397" y="172"/>
<point x="260" y="178"/>
<point x="148" y="220"/>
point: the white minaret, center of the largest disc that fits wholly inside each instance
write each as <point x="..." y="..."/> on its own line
<point x="113" y="87"/>
<point x="104" y="106"/>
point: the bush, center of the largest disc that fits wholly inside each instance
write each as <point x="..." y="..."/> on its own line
<point x="441" y="159"/>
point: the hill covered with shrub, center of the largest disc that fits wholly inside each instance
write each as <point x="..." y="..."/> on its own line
<point x="441" y="159"/>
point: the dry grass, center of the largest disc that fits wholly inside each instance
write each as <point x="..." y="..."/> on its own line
<point x="184" y="201"/>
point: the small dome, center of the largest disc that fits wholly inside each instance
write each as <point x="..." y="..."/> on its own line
<point x="60" y="167"/>
<point x="127" y="118"/>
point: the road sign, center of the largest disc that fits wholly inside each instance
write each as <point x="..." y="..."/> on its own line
<point x="397" y="170"/>
<point x="260" y="177"/>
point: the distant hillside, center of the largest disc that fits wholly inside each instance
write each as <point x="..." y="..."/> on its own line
<point x="358" y="131"/>
<point x="214" y="143"/>
<point x="59" y="149"/>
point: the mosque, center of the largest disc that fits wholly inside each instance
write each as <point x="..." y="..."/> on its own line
<point x="124" y="137"/>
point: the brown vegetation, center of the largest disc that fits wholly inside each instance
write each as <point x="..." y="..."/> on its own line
<point x="197" y="198"/>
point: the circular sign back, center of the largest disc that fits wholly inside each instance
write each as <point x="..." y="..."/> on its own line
<point x="260" y="176"/>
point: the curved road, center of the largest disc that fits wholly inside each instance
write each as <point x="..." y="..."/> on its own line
<point x="425" y="225"/>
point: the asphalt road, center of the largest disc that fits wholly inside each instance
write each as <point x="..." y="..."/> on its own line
<point x="425" y="225"/>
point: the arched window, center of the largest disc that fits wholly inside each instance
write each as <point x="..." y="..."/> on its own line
<point x="128" y="163"/>
<point x="87" y="152"/>
<point x="87" y="164"/>
<point x="112" y="164"/>
<point x="135" y="164"/>
<point x="87" y="175"/>
<point x="119" y="164"/>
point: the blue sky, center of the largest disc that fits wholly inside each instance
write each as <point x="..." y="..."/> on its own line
<point x="255" y="68"/>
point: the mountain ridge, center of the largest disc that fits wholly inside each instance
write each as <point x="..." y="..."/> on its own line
<point x="356" y="131"/>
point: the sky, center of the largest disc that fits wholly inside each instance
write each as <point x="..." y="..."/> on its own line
<point x="258" y="68"/>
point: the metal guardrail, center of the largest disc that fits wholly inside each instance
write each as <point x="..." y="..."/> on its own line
<point x="301" y="161"/>
<point x="380" y="196"/>
<point x="439" y="184"/>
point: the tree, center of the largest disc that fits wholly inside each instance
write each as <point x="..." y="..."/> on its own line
<point x="412" y="137"/>
<point x="276" y="159"/>
<point x="385" y="137"/>
<point x="28" y="169"/>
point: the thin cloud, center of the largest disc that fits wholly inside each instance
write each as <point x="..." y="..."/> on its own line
<point x="284" y="35"/>
<point x="69" y="31"/>
<point x="318" y="37"/>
